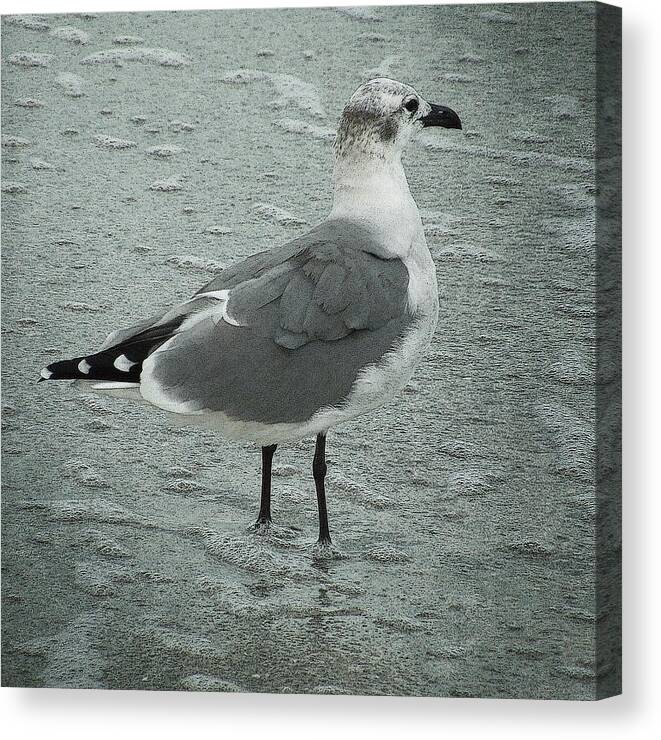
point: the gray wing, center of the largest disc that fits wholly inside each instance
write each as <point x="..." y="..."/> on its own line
<point x="304" y="321"/>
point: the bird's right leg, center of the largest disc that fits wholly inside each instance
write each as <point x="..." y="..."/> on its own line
<point x="319" y="473"/>
<point x="264" y="517"/>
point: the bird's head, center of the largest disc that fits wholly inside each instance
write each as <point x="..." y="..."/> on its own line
<point x="382" y="116"/>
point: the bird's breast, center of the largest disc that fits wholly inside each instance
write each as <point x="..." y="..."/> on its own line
<point x="423" y="286"/>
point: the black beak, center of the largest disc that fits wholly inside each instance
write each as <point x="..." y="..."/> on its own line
<point x="441" y="115"/>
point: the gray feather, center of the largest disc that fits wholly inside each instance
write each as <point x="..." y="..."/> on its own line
<point x="329" y="293"/>
<point x="250" y="377"/>
<point x="312" y="315"/>
<point x="294" y="303"/>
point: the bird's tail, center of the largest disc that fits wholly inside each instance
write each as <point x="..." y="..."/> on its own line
<point x="121" y="362"/>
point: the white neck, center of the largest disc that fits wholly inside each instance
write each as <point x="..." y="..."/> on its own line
<point x="373" y="191"/>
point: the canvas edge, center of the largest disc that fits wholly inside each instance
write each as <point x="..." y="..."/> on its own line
<point x="608" y="352"/>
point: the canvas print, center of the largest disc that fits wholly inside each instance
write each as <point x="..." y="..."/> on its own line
<point x="311" y="350"/>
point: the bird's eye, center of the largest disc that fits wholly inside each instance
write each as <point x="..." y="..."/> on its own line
<point x="411" y="105"/>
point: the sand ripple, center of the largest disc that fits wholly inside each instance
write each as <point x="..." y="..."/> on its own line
<point x="145" y="55"/>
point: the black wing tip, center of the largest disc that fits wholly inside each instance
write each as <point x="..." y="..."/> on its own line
<point x="100" y="366"/>
<point x="62" y="370"/>
<point x="46" y="373"/>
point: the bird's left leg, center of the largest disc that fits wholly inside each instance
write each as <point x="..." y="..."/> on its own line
<point x="324" y="548"/>
<point x="264" y="516"/>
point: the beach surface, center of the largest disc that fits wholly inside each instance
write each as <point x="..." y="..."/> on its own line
<point x="141" y="153"/>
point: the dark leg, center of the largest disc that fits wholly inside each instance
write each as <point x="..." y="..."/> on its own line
<point x="264" y="516"/>
<point x="319" y="473"/>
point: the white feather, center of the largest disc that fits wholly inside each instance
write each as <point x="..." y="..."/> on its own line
<point x="218" y="295"/>
<point x="112" y="385"/>
<point x="129" y="391"/>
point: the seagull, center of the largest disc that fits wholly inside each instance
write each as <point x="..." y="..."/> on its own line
<point x="293" y="341"/>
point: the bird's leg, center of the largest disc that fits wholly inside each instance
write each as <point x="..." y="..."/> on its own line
<point x="319" y="473"/>
<point x="264" y="516"/>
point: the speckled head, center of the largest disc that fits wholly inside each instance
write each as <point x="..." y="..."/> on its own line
<point x="382" y="116"/>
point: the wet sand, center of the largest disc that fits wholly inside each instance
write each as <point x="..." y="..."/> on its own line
<point x="141" y="153"/>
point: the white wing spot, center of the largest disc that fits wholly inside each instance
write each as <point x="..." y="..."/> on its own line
<point x="46" y="373"/>
<point x="84" y="367"/>
<point x="123" y="363"/>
